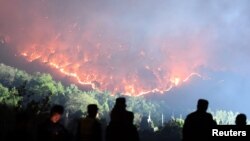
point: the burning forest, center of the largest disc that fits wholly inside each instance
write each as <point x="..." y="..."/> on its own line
<point x="100" y="49"/>
<point x="132" y="47"/>
<point x="162" y="55"/>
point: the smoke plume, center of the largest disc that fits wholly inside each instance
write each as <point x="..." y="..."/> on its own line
<point x="131" y="47"/>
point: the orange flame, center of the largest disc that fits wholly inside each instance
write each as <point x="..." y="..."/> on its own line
<point x="130" y="88"/>
<point x="120" y="70"/>
<point x="91" y="49"/>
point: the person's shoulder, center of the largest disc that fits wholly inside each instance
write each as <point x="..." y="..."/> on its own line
<point x="192" y="114"/>
<point x="98" y="123"/>
<point x="88" y="120"/>
<point x="209" y="115"/>
<point x="190" y="117"/>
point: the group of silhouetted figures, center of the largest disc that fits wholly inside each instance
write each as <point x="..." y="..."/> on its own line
<point x="120" y="128"/>
<point x="197" y="125"/>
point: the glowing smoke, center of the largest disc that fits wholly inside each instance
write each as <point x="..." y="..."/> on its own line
<point x="129" y="46"/>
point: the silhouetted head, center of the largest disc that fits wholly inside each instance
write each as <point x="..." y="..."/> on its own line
<point x="56" y="113"/>
<point x="120" y="103"/>
<point x="202" y="105"/>
<point x="92" y="110"/>
<point x="241" y="119"/>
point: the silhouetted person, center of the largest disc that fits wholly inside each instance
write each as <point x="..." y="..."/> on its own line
<point x="145" y="126"/>
<point x="146" y="131"/>
<point x="117" y="130"/>
<point x="52" y="129"/>
<point x="241" y="120"/>
<point x="119" y="112"/>
<point x="198" y="125"/>
<point x="132" y="133"/>
<point x="90" y="128"/>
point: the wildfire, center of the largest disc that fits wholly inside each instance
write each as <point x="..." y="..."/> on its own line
<point x="116" y="65"/>
<point x="103" y="49"/>
<point x="126" y="87"/>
